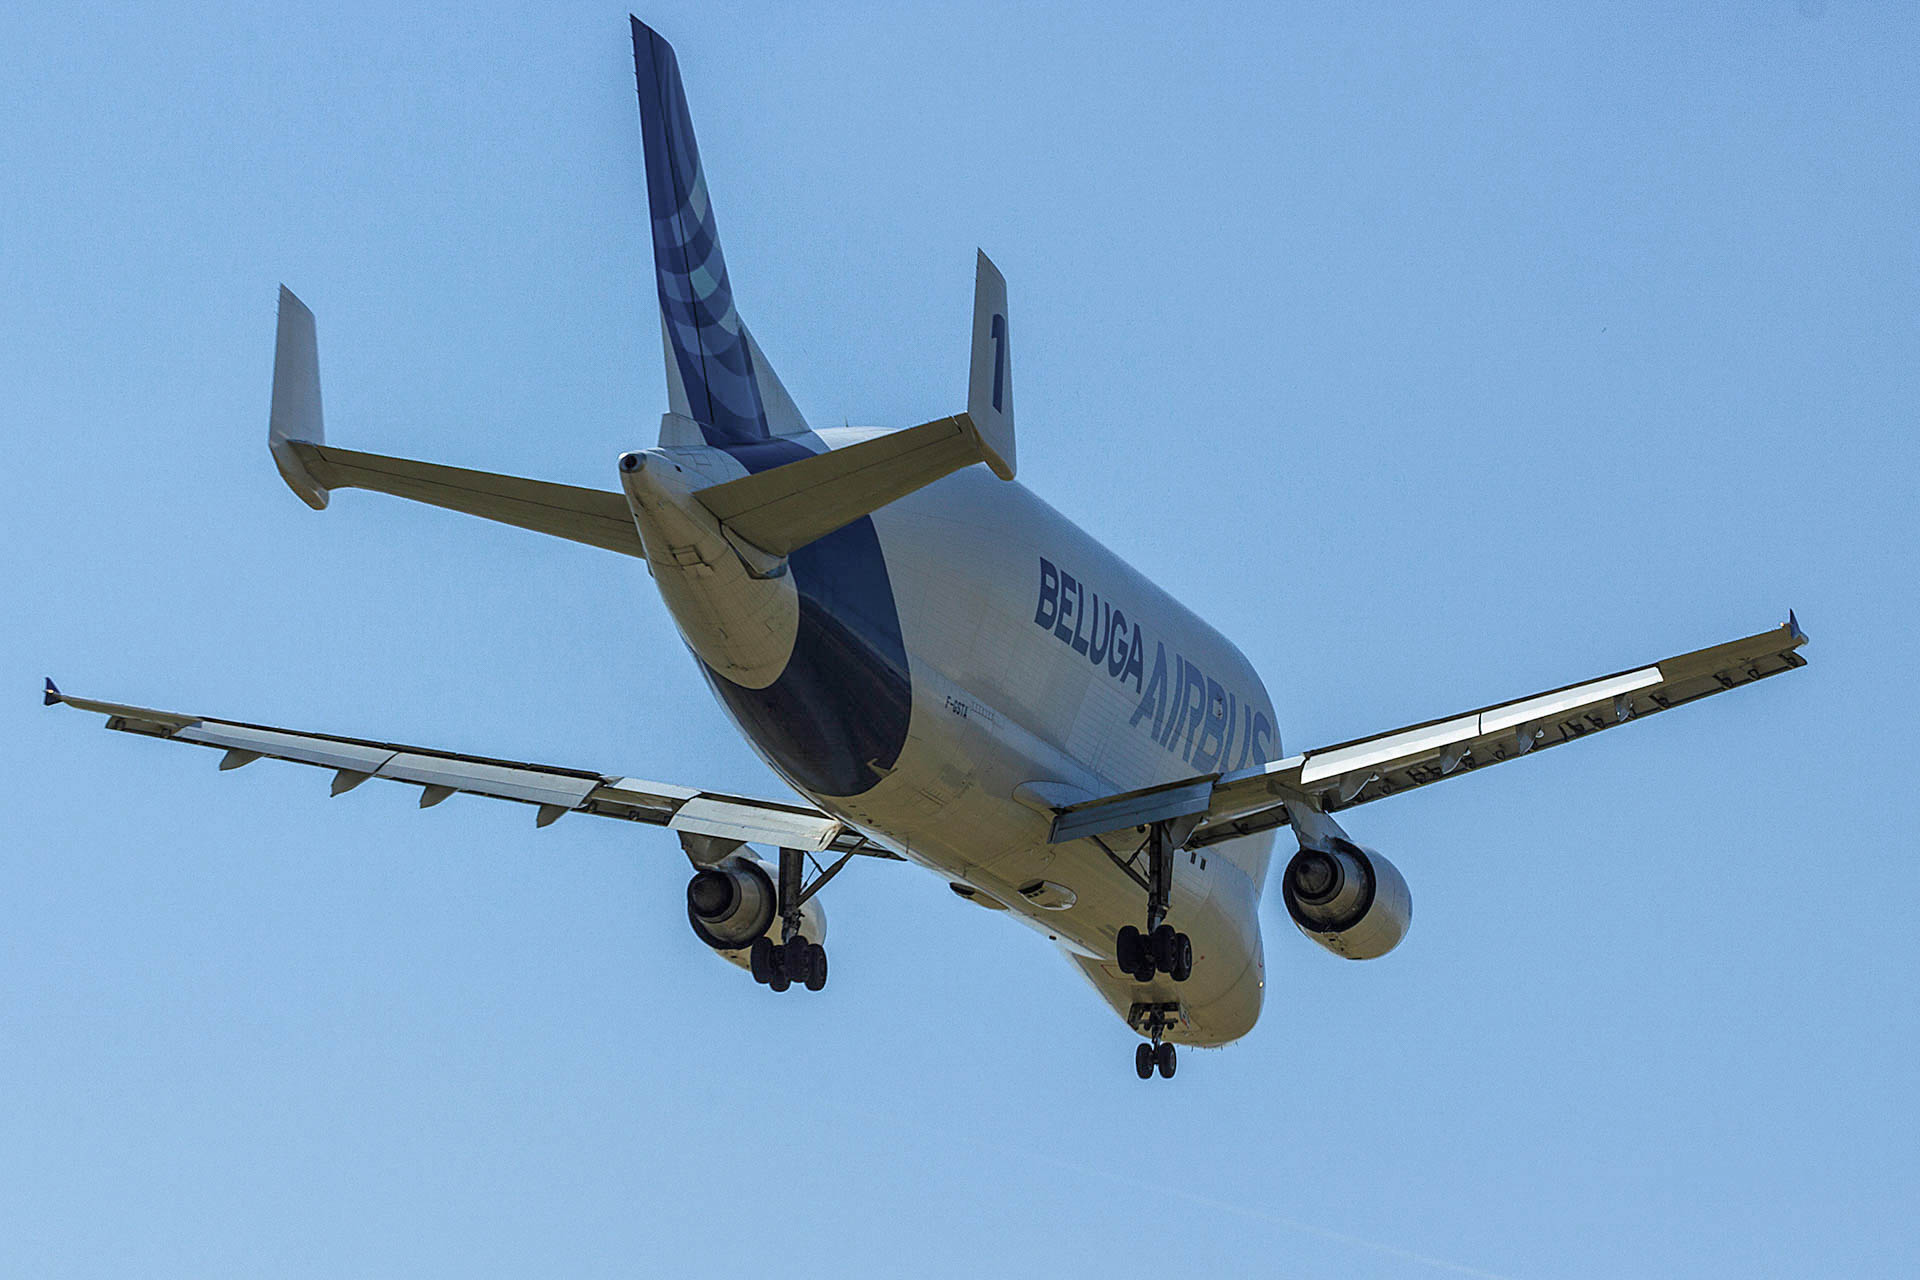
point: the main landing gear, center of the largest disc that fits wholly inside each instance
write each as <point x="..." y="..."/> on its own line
<point x="781" y="964"/>
<point x="1161" y="949"/>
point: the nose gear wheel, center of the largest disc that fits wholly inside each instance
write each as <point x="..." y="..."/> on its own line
<point x="1154" y="1054"/>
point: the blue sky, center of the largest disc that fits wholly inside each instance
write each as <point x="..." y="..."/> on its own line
<point x="1437" y="356"/>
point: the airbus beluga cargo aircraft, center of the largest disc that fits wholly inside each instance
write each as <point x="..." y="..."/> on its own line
<point x="946" y="668"/>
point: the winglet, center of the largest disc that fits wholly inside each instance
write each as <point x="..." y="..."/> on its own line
<point x="53" y="698"/>
<point x="1794" y="632"/>
<point x="295" y="417"/>
<point x="990" y="377"/>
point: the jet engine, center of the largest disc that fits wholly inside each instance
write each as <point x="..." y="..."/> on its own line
<point x="734" y="902"/>
<point x="1348" y="899"/>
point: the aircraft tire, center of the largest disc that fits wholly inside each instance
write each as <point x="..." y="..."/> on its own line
<point x="1143" y="1060"/>
<point x="1164" y="946"/>
<point x="760" y="960"/>
<point x="1182" y="958"/>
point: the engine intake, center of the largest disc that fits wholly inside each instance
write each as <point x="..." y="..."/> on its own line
<point x="732" y="903"/>
<point x="1350" y="900"/>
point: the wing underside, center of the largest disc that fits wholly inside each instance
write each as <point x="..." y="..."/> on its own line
<point x="1367" y="769"/>
<point x="554" y="791"/>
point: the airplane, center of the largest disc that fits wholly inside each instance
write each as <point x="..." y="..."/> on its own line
<point x="946" y="669"/>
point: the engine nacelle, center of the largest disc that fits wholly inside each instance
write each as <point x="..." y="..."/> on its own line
<point x="733" y="902"/>
<point x="1350" y="900"/>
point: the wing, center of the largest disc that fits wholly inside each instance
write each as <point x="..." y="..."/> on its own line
<point x="1368" y="769"/>
<point x="554" y="791"/>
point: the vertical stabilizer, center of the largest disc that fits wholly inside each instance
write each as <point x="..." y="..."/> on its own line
<point x="715" y="372"/>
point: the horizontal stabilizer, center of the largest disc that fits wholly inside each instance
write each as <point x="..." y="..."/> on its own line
<point x="786" y="507"/>
<point x="593" y="516"/>
<point x="313" y="469"/>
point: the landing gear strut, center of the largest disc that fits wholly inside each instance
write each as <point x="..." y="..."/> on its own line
<point x="1161" y="949"/>
<point x="793" y="959"/>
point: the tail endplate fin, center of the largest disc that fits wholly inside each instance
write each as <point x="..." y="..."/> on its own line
<point x="715" y="372"/>
<point x="990" y="375"/>
<point x="295" y="416"/>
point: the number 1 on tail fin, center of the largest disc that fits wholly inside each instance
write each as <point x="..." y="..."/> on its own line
<point x="999" y="358"/>
<point x="990" y="379"/>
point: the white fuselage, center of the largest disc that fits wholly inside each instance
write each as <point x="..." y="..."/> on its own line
<point x="1041" y="670"/>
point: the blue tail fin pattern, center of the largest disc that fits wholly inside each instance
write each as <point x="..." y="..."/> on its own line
<point x="715" y="372"/>
<point x="835" y="721"/>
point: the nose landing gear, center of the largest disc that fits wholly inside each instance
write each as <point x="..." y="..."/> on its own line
<point x="1147" y="1057"/>
<point x="1154" y="1053"/>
